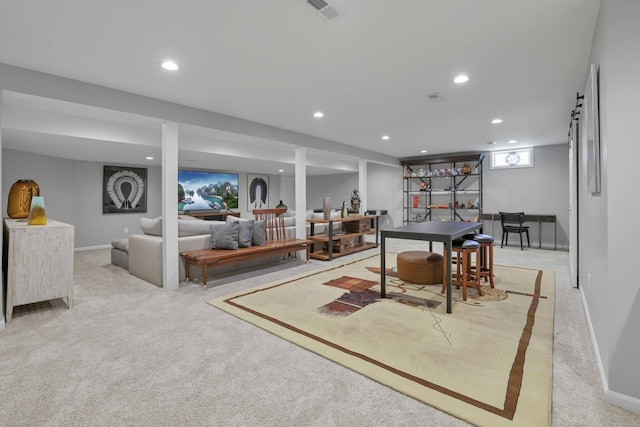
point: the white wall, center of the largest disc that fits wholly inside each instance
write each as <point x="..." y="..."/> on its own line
<point x="608" y="252"/>
<point x="541" y="189"/>
<point x="385" y="192"/>
<point x="338" y="187"/>
<point x="72" y="192"/>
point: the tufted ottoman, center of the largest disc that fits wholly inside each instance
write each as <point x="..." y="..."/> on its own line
<point x="120" y="253"/>
<point x="420" y="267"/>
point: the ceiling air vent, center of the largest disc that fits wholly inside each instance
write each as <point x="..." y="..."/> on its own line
<point x="324" y="8"/>
<point x="435" y="96"/>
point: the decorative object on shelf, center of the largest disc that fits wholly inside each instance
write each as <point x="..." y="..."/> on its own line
<point x="421" y="172"/>
<point x="416" y="201"/>
<point x="423" y="186"/>
<point x="281" y="205"/>
<point x="407" y="172"/>
<point x="326" y="208"/>
<point x="36" y="213"/>
<point x="355" y="201"/>
<point x="466" y="169"/>
<point x="20" y="194"/>
<point x="124" y="190"/>
<point x="343" y="211"/>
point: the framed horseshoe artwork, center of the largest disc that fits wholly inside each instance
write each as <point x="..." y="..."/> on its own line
<point x="258" y="192"/>
<point x="124" y="190"/>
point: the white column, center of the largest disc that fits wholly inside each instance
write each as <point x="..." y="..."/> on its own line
<point x="170" y="277"/>
<point x="362" y="184"/>
<point x="301" y="192"/>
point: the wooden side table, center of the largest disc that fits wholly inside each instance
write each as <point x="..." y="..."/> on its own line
<point x="348" y="240"/>
<point x="38" y="262"/>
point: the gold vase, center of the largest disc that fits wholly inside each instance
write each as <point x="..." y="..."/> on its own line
<point x="20" y="195"/>
<point x="36" y="213"/>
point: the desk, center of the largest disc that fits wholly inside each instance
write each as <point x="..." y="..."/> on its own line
<point x="539" y="218"/>
<point x="432" y="231"/>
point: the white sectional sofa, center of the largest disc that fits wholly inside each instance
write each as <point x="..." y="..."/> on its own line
<point x="142" y="254"/>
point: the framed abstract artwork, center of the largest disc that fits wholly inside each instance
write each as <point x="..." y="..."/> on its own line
<point x="257" y="192"/>
<point x="124" y="190"/>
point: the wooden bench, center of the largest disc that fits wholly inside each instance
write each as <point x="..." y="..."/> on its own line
<point x="277" y="244"/>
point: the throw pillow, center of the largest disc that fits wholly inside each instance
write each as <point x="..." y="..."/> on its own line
<point x="245" y="230"/>
<point x="259" y="233"/>
<point x="151" y="226"/>
<point x="224" y="236"/>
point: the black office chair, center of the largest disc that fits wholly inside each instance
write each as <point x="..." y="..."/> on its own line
<point x="513" y="222"/>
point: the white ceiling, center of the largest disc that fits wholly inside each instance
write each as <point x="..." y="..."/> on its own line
<point x="275" y="62"/>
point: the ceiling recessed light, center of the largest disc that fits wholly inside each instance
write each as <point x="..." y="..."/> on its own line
<point x="170" y="65"/>
<point x="149" y="158"/>
<point x="280" y="170"/>
<point x="385" y="137"/>
<point x="496" y="121"/>
<point x="461" y="79"/>
<point x="318" y="114"/>
<point x="513" y="141"/>
<point x="423" y="151"/>
<point x="491" y="143"/>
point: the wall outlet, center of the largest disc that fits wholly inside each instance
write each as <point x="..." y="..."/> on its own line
<point x="126" y="229"/>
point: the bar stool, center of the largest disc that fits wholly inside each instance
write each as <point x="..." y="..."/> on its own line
<point x="486" y="256"/>
<point x="465" y="275"/>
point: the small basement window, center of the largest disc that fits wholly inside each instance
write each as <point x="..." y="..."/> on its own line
<point x="518" y="158"/>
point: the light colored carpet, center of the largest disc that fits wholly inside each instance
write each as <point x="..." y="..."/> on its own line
<point x="132" y="354"/>
<point x="488" y="363"/>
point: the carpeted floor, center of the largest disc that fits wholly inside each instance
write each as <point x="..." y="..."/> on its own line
<point x="132" y="354"/>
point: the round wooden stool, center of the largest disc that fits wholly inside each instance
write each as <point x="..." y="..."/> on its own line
<point x="486" y="256"/>
<point x="420" y="267"/>
<point x="465" y="275"/>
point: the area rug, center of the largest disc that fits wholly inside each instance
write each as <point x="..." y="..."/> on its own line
<point x="488" y="363"/>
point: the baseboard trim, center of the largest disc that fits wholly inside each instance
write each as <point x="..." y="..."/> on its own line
<point x="622" y="400"/>
<point x="614" y="398"/>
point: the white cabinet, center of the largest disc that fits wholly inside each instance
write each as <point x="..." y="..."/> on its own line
<point x="38" y="264"/>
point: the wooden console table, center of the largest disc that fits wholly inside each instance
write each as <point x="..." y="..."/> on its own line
<point x="215" y="215"/>
<point x="38" y="262"/>
<point x="348" y="240"/>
